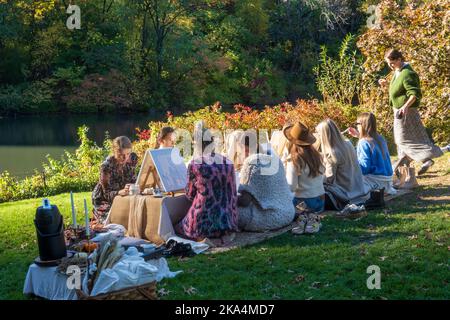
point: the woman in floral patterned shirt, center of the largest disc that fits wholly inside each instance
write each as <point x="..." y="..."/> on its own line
<point x="117" y="172"/>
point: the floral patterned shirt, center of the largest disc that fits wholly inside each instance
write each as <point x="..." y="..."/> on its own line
<point x="107" y="188"/>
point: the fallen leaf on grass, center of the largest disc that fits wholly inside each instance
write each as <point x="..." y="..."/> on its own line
<point x="383" y="258"/>
<point x="413" y="237"/>
<point x="299" y="278"/>
<point x="276" y="297"/>
<point x="290" y="271"/>
<point x="23" y="245"/>
<point x="190" y="290"/>
<point x="262" y="249"/>
<point x="316" y="285"/>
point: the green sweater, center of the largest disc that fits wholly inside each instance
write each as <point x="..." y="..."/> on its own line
<point x="406" y="84"/>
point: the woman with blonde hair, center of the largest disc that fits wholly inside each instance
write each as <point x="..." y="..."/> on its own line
<point x="344" y="183"/>
<point x="264" y="200"/>
<point x="117" y="172"/>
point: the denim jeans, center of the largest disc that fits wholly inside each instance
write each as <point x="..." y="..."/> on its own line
<point x="316" y="204"/>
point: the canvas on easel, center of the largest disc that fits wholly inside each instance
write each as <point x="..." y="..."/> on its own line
<point x="164" y="168"/>
<point x="148" y="176"/>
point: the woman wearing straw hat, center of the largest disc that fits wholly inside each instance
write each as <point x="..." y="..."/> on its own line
<point x="304" y="169"/>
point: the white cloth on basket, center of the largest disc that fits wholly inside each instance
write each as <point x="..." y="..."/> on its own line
<point x="47" y="283"/>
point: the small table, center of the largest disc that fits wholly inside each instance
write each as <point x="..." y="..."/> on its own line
<point x="157" y="216"/>
<point x="47" y="283"/>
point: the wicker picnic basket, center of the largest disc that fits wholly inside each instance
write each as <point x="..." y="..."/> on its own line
<point x="142" y="292"/>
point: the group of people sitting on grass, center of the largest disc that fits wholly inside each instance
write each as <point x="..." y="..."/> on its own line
<point x="319" y="170"/>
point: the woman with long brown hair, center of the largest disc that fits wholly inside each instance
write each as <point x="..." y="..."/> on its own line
<point x="304" y="169"/>
<point x="117" y="172"/>
<point x="373" y="154"/>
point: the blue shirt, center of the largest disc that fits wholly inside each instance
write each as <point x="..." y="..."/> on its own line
<point x="371" y="158"/>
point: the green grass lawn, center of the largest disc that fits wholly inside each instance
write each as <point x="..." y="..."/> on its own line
<point x="409" y="241"/>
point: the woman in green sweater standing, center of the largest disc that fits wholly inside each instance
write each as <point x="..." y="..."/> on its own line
<point x="411" y="138"/>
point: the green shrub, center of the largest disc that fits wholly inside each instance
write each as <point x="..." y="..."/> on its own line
<point x="11" y="100"/>
<point x="100" y="93"/>
<point x="77" y="171"/>
<point x="339" y="79"/>
<point x="38" y="97"/>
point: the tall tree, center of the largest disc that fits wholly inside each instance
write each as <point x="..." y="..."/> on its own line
<point x="161" y="16"/>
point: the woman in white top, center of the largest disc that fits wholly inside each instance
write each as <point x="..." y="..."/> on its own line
<point x="304" y="169"/>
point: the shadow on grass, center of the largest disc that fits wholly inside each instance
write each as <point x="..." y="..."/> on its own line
<point x="337" y="231"/>
<point x="416" y="201"/>
<point x="364" y="230"/>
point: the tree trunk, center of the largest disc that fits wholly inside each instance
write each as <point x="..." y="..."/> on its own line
<point x="144" y="38"/>
<point x="159" y="49"/>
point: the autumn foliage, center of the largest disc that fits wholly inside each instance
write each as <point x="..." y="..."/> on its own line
<point x="420" y="30"/>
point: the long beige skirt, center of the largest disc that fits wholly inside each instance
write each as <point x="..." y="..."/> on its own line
<point x="412" y="139"/>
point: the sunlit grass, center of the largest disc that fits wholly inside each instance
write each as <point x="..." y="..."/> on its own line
<point x="409" y="241"/>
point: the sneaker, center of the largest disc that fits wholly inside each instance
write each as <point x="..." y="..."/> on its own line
<point x="425" y="167"/>
<point x="352" y="211"/>
<point x="313" y="227"/>
<point x="300" y="229"/>
<point x="446" y="148"/>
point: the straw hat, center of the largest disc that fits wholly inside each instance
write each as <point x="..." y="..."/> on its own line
<point x="298" y="134"/>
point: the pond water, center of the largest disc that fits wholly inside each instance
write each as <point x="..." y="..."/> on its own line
<point x="26" y="140"/>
